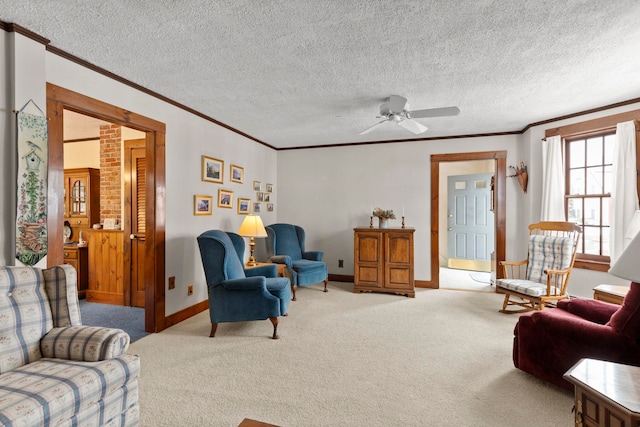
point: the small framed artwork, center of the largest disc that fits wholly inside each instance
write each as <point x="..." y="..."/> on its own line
<point x="259" y="196"/>
<point x="256" y="207"/>
<point x="225" y="198"/>
<point x="237" y="174"/>
<point x="212" y="170"/>
<point x="202" y="205"/>
<point x="266" y="197"/>
<point x="243" y="206"/>
<point x="269" y="188"/>
<point x="269" y="207"/>
<point x="257" y="186"/>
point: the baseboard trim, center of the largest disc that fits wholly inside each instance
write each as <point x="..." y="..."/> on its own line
<point x="425" y="284"/>
<point x="175" y="318"/>
<point x="340" y="278"/>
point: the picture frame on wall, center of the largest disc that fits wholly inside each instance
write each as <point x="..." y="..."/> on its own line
<point x="269" y="207"/>
<point x="237" y="174"/>
<point x="257" y="186"/>
<point x="259" y="197"/>
<point x="256" y="207"/>
<point x="212" y="170"/>
<point x="225" y="198"/>
<point x="269" y="188"/>
<point x="243" y="206"/>
<point x="202" y="205"/>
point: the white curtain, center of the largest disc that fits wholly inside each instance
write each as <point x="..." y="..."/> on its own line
<point x="552" y="180"/>
<point x="624" y="192"/>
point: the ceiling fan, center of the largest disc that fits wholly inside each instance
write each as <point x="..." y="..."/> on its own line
<point x="394" y="111"/>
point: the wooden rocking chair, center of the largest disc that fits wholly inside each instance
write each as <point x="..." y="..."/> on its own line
<point x="541" y="280"/>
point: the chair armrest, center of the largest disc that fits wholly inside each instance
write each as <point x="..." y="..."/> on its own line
<point x="245" y="284"/>
<point x="282" y="259"/>
<point x="270" y="270"/>
<point x="589" y="309"/>
<point x="513" y="269"/>
<point x="84" y="343"/>
<point x="313" y="255"/>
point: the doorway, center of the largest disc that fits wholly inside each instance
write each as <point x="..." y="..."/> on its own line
<point x="498" y="202"/>
<point x="59" y="99"/>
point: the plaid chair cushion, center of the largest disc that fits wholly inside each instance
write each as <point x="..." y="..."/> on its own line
<point x="63" y="295"/>
<point x="84" y="343"/>
<point x="548" y="253"/>
<point x="51" y="391"/>
<point x="25" y="316"/>
<point x="526" y="287"/>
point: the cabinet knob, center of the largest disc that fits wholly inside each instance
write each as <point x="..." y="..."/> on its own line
<point x="78" y="222"/>
<point x="66" y="254"/>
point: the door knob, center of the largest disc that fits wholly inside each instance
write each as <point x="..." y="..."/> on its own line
<point x="449" y="229"/>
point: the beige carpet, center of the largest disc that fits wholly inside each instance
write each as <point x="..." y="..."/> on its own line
<point x="344" y="359"/>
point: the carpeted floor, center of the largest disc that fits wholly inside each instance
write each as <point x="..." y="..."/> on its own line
<point x="129" y="319"/>
<point x="344" y="359"/>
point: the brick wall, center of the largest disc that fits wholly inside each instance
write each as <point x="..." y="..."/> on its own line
<point x="110" y="172"/>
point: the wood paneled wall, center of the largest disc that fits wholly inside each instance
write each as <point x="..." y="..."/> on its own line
<point x="106" y="276"/>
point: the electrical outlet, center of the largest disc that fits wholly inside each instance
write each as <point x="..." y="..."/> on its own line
<point x="340" y="263"/>
<point x="172" y="282"/>
<point x="190" y="290"/>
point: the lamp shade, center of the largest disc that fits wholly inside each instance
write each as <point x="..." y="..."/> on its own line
<point x="252" y="227"/>
<point x="627" y="265"/>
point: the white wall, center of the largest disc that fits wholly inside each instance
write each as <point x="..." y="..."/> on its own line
<point x="329" y="191"/>
<point x="85" y="154"/>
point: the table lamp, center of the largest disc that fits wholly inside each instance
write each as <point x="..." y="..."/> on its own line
<point x="252" y="227"/>
<point x="627" y="266"/>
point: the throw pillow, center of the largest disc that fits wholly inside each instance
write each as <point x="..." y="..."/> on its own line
<point x="627" y="319"/>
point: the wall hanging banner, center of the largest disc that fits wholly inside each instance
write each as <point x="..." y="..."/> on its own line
<point x="31" y="217"/>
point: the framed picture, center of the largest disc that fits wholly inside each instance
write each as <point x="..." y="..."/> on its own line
<point x="212" y="170"/>
<point x="256" y="207"/>
<point x="266" y="197"/>
<point x="237" y="174"/>
<point x="269" y="207"/>
<point x="202" y="205"/>
<point x="269" y="188"/>
<point x="225" y="198"/>
<point x="259" y="197"/>
<point x="257" y="186"/>
<point x="243" y="206"/>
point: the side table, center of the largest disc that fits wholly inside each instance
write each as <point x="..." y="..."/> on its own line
<point x="281" y="267"/>
<point x="610" y="293"/>
<point x="606" y="393"/>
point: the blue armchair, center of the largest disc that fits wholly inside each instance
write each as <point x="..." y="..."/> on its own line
<point x="285" y="245"/>
<point x="236" y="294"/>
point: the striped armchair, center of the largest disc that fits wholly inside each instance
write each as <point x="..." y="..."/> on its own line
<point x="542" y="278"/>
<point x="53" y="370"/>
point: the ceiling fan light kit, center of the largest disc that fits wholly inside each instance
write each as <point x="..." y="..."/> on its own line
<point x="394" y="111"/>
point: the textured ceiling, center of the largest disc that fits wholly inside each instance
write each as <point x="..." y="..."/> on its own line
<point x="309" y="72"/>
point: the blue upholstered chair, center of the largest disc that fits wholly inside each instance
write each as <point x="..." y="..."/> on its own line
<point x="285" y="245"/>
<point x="236" y="294"/>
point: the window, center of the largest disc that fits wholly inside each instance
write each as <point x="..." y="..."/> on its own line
<point x="588" y="192"/>
<point x="588" y="155"/>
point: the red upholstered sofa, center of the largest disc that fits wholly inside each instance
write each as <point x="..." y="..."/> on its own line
<point x="549" y="342"/>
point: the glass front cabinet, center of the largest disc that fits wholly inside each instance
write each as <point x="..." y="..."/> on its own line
<point x="82" y="196"/>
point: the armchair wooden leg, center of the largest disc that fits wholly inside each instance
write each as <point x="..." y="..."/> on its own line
<point x="325" y="284"/>
<point x="293" y="292"/>
<point x="274" y="320"/>
<point x="214" y="326"/>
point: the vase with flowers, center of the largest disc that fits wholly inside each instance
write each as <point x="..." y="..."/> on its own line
<point x="383" y="216"/>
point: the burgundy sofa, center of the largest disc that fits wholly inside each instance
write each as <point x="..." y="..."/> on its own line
<point x="549" y="342"/>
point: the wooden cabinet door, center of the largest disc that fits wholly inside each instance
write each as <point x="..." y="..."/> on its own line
<point x="398" y="260"/>
<point x="368" y="259"/>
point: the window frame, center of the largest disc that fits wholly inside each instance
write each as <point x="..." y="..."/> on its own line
<point x="583" y="130"/>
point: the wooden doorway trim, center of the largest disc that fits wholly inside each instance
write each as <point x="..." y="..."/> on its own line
<point x="59" y="99"/>
<point x="500" y="158"/>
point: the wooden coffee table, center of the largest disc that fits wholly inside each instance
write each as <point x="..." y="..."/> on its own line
<point x="248" y="422"/>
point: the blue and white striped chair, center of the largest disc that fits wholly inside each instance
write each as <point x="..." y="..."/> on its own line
<point x="542" y="278"/>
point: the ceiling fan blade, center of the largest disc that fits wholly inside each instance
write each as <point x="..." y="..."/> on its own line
<point x="369" y="129"/>
<point x="434" y="112"/>
<point x="413" y="126"/>
<point x="396" y="103"/>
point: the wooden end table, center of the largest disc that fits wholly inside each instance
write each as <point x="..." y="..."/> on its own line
<point x="281" y="267"/>
<point x="610" y="293"/>
<point x="606" y="393"/>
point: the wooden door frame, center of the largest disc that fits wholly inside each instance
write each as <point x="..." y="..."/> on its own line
<point x="59" y="99"/>
<point x="500" y="193"/>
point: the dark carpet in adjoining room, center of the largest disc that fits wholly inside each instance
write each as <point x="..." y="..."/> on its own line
<point x="129" y="319"/>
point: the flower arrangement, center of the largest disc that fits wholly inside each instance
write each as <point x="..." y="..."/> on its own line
<point x="384" y="214"/>
<point x="520" y="172"/>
